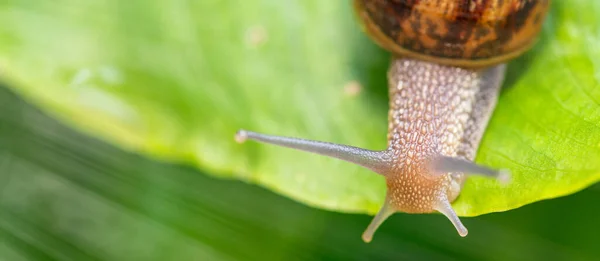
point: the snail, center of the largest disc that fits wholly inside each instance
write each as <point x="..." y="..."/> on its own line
<point x="449" y="61"/>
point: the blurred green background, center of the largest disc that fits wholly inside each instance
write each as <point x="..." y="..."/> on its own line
<point x="67" y="196"/>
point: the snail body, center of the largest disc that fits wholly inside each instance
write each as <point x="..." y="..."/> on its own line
<point x="445" y="75"/>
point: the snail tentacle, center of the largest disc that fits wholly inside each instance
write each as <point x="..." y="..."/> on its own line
<point x="385" y="212"/>
<point x="443" y="206"/>
<point x="377" y="161"/>
<point x="444" y="164"/>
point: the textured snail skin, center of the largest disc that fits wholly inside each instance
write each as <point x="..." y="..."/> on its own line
<point x="467" y="33"/>
<point x="437" y="116"/>
<point x="434" y="110"/>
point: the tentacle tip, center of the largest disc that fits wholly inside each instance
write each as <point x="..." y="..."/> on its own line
<point x="367" y="237"/>
<point x="504" y="177"/>
<point x="241" y="136"/>
<point x="463" y="232"/>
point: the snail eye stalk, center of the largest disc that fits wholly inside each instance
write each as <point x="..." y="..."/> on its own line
<point x="443" y="165"/>
<point x="377" y="161"/>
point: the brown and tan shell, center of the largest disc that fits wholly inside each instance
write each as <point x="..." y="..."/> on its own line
<point x="469" y="33"/>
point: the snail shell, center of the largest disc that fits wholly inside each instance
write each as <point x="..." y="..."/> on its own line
<point x="468" y="33"/>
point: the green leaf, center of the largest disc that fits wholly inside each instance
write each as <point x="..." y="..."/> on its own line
<point x="176" y="79"/>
